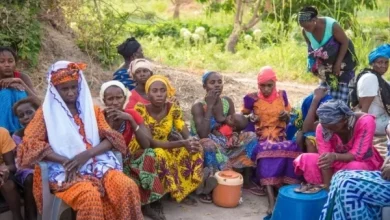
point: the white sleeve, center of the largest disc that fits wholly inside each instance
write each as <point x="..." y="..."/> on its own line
<point x="368" y="85"/>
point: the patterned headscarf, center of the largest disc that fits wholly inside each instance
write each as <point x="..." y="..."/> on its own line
<point x="159" y="78"/>
<point x="381" y="51"/>
<point x="140" y="63"/>
<point x="332" y="112"/>
<point x="70" y="73"/>
<point x="118" y="84"/>
<point x="304" y="16"/>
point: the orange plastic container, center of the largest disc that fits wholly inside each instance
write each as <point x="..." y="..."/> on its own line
<point x="228" y="191"/>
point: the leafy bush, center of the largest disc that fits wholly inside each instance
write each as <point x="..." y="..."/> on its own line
<point x="20" y="28"/>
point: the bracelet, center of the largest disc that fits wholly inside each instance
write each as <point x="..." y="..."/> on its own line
<point x="335" y="156"/>
<point x="207" y="119"/>
<point x="137" y="128"/>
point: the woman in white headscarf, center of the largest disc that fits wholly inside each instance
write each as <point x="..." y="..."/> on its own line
<point x="73" y="137"/>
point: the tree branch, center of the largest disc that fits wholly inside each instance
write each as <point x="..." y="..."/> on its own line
<point x="255" y="17"/>
<point x="239" y="12"/>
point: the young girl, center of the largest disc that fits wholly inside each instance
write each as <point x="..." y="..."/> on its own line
<point x="14" y="86"/>
<point x="25" y="110"/>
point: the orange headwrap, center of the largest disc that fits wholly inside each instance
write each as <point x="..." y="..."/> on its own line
<point x="266" y="74"/>
<point x="70" y="73"/>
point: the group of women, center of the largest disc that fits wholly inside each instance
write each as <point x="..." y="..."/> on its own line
<point x="330" y="146"/>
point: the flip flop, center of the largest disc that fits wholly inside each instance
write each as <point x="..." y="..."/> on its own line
<point x="314" y="189"/>
<point x="268" y="217"/>
<point x="255" y="190"/>
<point x="205" y="198"/>
<point x="302" y="188"/>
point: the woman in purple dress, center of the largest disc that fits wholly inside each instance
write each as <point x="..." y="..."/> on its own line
<point x="274" y="154"/>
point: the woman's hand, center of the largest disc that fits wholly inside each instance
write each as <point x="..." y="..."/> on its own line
<point x="73" y="165"/>
<point x="15" y="83"/>
<point x="254" y="118"/>
<point x="326" y="160"/>
<point x="211" y="98"/>
<point x="115" y="114"/>
<point x="4" y="174"/>
<point x="192" y="145"/>
<point x="319" y="93"/>
<point x="337" y="68"/>
<point x="284" y="116"/>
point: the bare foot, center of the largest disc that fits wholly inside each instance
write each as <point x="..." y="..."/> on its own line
<point x="271" y="206"/>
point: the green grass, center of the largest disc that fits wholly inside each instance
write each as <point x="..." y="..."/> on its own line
<point x="288" y="57"/>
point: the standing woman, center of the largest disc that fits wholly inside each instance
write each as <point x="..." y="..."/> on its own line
<point x="130" y="50"/>
<point x="14" y="86"/>
<point x="274" y="154"/>
<point x="74" y="138"/>
<point x="141" y="70"/>
<point x="141" y="165"/>
<point x="331" y="54"/>
<point x="180" y="161"/>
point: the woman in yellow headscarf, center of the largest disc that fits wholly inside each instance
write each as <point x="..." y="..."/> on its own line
<point x="180" y="158"/>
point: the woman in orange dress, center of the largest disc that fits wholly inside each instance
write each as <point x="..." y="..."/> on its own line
<point x="274" y="154"/>
<point x="73" y="137"/>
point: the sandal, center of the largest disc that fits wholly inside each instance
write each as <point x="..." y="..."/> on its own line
<point x="314" y="189"/>
<point x="256" y="189"/>
<point x="302" y="188"/>
<point x="205" y="198"/>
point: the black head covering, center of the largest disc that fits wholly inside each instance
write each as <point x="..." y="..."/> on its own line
<point x="129" y="47"/>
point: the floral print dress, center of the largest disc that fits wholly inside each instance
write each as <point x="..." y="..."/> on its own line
<point x="180" y="172"/>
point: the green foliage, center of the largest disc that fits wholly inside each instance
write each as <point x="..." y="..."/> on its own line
<point x="20" y="28"/>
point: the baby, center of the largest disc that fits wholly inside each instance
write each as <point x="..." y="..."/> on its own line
<point x="234" y="125"/>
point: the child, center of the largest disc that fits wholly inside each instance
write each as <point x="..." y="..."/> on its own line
<point x="8" y="187"/>
<point x="25" y="110"/>
<point x="14" y="86"/>
<point x="234" y="125"/>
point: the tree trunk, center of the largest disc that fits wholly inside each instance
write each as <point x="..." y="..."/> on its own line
<point x="233" y="39"/>
<point x="176" y="13"/>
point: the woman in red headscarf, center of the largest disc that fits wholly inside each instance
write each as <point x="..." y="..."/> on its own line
<point x="274" y="154"/>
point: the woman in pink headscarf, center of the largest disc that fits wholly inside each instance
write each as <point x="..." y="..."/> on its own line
<point x="274" y="154"/>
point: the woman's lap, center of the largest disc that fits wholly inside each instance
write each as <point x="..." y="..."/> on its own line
<point x="307" y="165"/>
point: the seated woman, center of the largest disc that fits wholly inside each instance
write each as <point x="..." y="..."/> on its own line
<point x="73" y="137"/>
<point x="141" y="165"/>
<point x="8" y="188"/>
<point x="208" y="114"/>
<point x="274" y="154"/>
<point x="130" y="50"/>
<point x="359" y="194"/>
<point x="344" y="141"/>
<point x="141" y="70"/>
<point x="373" y="91"/>
<point x="307" y="120"/>
<point x="181" y="161"/>
<point x="25" y="110"/>
<point x="14" y="86"/>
